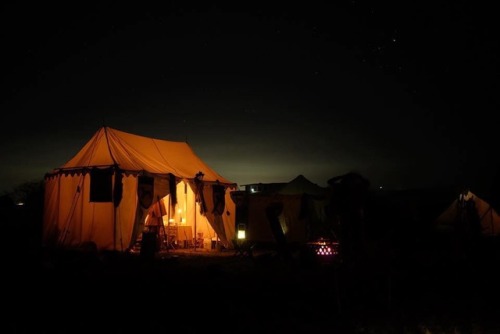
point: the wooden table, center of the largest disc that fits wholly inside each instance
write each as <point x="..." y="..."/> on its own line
<point x="182" y="235"/>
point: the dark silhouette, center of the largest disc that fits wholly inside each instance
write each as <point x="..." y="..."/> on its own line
<point x="348" y="196"/>
<point x="273" y="212"/>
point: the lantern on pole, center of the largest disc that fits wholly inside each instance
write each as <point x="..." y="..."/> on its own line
<point x="241" y="232"/>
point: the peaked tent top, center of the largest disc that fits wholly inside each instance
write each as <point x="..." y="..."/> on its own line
<point x="488" y="217"/>
<point x="137" y="154"/>
<point x="301" y="185"/>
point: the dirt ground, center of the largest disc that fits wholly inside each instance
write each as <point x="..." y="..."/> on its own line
<point x="93" y="292"/>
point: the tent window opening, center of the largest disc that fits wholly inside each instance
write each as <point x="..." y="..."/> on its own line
<point x="101" y="185"/>
<point x="145" y="191"/>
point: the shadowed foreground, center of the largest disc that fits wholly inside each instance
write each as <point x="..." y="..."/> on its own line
<point x="85" y="291"/>
<point x="409" y="283"/>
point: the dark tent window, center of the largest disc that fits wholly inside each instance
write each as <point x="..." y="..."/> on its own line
<point x="101" y="185"/>
<point x="145" y="191"/>
<point x="219" y="201"/>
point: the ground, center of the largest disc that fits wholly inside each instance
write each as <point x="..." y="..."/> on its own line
<point x="51" y="291"/>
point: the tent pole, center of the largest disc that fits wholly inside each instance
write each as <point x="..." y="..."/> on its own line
<point x="114" y="220"/>
<point x="168" y="221"/>
<point x="114" y="228"/>
<point x="195" y="235"/>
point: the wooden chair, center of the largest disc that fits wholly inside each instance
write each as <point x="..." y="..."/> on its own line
<point x="199" y="240"/>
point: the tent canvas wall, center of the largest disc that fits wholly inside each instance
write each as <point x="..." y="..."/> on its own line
<point x="457" y="215"/>
<point x="302" y="217"/>
<point x="119" y="181"/>
<point x="258" y="226"/>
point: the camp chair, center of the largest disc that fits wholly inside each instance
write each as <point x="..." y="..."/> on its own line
<point x="171" y="241"/>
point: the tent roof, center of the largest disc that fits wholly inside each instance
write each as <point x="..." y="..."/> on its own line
<point x="137" y="154"/>
<point x="301" y="185"/>
<point x="488" y="217"/>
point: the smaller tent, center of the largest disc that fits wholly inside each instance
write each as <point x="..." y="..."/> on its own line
<point x="470" y="213"/>
<point x="301" y="214"/>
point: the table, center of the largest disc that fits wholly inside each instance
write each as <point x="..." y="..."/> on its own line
<point x="181" y="235"/>
<point x="184" y="233"/>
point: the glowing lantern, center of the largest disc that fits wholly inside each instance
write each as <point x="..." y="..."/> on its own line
<point x="241" y="235"/>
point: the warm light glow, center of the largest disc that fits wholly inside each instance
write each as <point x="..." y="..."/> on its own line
<point x="241" y="232"/>
<point x="181" y="220"/>
<point x="324" y="250"/>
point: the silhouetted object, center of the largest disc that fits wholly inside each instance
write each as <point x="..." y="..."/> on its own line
<point x="200" y="196"/>
<point x="243" y="248"/>
<point x="149" y="246"/>
<point x="469" y="224"/>
<point x="346" y="211"/>
<point x="219" y="200"/>
<point x="22" y="222"/>
<point x="473" y="225"/>
<point x="273" y="212"/>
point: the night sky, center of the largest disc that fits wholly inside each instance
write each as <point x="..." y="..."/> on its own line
<point x="406" y="95"/>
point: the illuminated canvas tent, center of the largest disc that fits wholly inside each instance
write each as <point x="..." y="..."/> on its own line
<point x="119" y="182"/>
<point x="466" y="208"/>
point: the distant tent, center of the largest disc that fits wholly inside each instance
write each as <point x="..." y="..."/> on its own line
<point x="468" y="210"/>
<point x="119" y="182"/>
<point x="301" y="185"/>
<point x="302" y="215"/>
